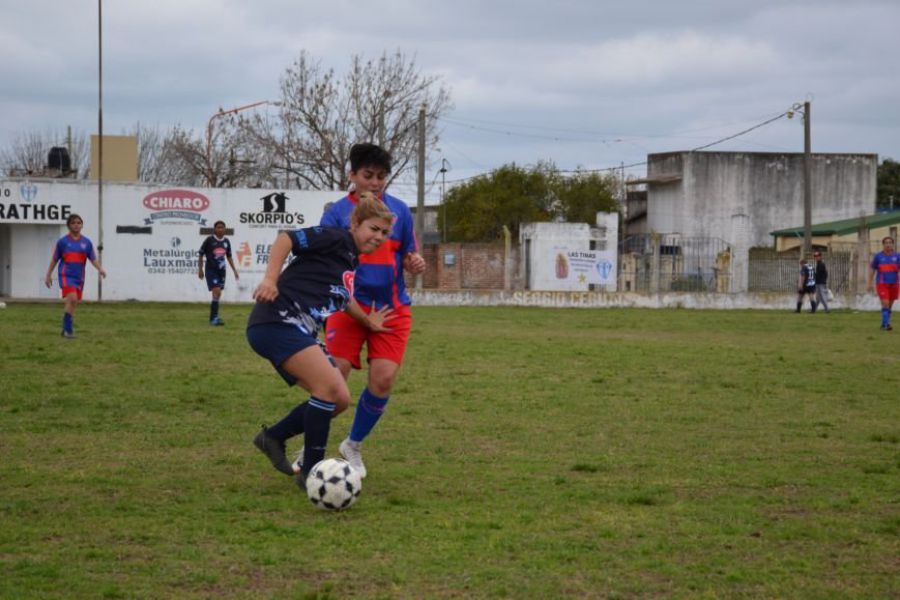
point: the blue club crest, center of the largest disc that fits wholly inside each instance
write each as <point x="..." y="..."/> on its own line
<point x="28" y="190"/>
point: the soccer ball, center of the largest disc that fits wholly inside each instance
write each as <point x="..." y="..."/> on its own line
<point x="333" y="484"/>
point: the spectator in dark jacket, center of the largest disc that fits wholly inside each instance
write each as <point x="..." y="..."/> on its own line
<point x="821" y="281"/>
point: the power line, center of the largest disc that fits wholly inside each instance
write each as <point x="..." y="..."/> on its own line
<point x="637" y="164"/>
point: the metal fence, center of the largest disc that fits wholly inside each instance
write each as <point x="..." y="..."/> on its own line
<point x="771" y="271"/>
<point x="654" y="263"/>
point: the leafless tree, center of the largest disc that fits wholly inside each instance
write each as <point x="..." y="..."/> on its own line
<point x="27" y="154"/>
<point x="225" y="157"/>
<point x="322" y="115"/>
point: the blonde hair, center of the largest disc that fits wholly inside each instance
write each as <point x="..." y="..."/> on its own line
<point x="369" y="206"/>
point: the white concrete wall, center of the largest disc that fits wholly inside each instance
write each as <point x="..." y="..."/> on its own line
<point x="767" y="187"/>
<point x="688" y="300"/>
<point x="561" y="257"/>
<point x="159" y="265"/>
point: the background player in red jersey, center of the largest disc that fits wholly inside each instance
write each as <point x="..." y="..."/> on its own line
<point x="72" y="251"/>
<point x="379" y="315"/>
<point x="886" y="267"/>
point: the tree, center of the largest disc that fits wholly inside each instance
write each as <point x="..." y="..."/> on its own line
<point x="888" y="184"/>
<point x="28" y="153"/>
<point x="582" y="195"/>
<point x="229" y="157"/>
<point x="322" y="115"/>
<point x="477" y="210"/>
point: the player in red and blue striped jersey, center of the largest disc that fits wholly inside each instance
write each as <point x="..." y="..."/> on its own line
<point x="379" y="315"/>
<point x="291" y="307"/>
<point x="72" y="251"/>
<point x="886" y="267"/>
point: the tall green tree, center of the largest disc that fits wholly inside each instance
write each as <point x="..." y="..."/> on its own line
<point x="477" y="210"/>
<point x="582" y="195"/>
<point x="888" y="184"/>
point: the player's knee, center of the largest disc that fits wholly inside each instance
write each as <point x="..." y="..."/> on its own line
<point x="337" y="393"/>
<point x="381" y="385"/>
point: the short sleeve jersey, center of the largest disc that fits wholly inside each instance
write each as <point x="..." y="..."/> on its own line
<point x="216" y="251"/>
<point x="317" y="282"/>
<point x="379" y="277"/>
<point x="809" y="275"/>
<point x="886" y="267"/>
<point x="72" y="255"/>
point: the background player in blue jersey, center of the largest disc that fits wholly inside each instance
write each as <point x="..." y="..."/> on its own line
<point x="379" y="315"/>
<point x="291" y="306"/>
<point x="885" y="267"/>
<point x="216" y="249"/>
<point x="806" y="285"/>
<point x="72" y="251"/>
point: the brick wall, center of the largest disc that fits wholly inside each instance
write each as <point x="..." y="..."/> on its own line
<point x="454" y="266"/>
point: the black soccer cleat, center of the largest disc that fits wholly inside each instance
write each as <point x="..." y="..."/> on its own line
<point x="274" y="450"/>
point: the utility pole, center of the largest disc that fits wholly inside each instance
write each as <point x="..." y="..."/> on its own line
<point x="100" y="143"/>
<point x="807" y="184"/>
<point x="420" y="199"/>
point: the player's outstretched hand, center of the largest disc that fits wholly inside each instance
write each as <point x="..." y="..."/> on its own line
<point x="47" y="281"/>
<point x="266" y="291"/>
<point x="377" y="318"/>
<point x="414" y="263"/>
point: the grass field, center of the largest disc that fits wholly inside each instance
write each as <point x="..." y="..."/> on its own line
<point x="526" y="453"/>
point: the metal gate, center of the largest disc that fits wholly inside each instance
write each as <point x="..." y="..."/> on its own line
<point x="656" y="263"/>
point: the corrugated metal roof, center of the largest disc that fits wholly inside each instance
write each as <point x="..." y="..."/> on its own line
<point x="844" y="226"/>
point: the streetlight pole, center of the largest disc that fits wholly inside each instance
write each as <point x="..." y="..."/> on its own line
<point x="445" y="166"/>
<point x="210" y="175"/>
<point x="807" y="184"/>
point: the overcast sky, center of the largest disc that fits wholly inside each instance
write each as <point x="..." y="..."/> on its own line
<point x="584" y="83"/>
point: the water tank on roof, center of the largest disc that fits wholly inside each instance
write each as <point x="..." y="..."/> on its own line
<point x="58" y="160"/>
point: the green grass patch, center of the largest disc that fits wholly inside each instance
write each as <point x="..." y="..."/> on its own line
<point x="525" y="453"/>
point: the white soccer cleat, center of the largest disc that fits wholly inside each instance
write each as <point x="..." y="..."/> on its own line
<point x="350" y="451"/>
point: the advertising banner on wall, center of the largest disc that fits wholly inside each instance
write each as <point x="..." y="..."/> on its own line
<point x="579" y="267"/>
<point x="40" y="203"/>
<point x="152" y="234"/>
<point x="158" y="233"/>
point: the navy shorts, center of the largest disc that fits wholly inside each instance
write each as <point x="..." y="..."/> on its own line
<point x="277" y="342"/>
<point x="215" y="278"/>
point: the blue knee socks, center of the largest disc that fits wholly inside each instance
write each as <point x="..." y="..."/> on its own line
<point x="368" y="410"/>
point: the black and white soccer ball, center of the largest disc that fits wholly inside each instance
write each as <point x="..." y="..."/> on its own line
<point x="333" y="484"/>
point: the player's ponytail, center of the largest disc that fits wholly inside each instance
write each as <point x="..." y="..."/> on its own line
<point x="369" y="206"/>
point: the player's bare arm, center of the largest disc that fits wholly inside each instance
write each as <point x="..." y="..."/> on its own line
<point x="99" y="268"/>
<point x="374" y="321"/>
<point x="48" y="281"/>
<point x="233" y="270"/>
<point x="414" y="263"/>
<point x="267" y="290"/>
